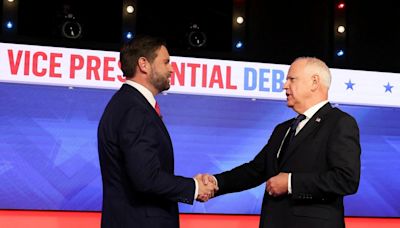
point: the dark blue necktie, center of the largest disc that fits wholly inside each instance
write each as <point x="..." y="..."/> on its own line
<point x="289" y="137"/>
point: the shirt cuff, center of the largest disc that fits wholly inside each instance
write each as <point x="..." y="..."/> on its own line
<point x="289" y="183"/>
<point x="215" y="179"/>
<point x="196" y="191"/>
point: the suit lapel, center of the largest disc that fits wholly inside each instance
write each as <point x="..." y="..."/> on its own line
<point x="153" y="113"/>
<point x="315" y="121"/>
<point x="278" y="140"/>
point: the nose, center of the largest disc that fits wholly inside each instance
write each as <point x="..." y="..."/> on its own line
<point x="170" y="69"/>
<point x="286" y="85"/>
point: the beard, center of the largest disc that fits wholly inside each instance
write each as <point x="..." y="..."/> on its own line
<point x="160" y="81"/>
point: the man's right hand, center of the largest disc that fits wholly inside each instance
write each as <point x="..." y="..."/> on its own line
<point x="207" y="187"/>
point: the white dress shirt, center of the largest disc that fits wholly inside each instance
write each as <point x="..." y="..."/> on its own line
<point x="144" y="91"/>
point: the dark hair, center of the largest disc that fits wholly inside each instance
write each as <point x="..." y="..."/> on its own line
<point x="140" y="46"/>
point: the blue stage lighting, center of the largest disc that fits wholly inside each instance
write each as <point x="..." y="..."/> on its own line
<point x="239" y="45"/>
<point x="9" y="25"/>
<point x="129" y="35"/>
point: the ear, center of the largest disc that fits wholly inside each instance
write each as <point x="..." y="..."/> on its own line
<point x="315" y="80"/>
<point x="142" y="64"/>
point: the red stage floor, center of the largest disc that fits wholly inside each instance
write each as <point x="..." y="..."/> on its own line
<point x="51" y="219"/>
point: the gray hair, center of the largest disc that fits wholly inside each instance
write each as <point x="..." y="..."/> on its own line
<point x="320" y="67"/>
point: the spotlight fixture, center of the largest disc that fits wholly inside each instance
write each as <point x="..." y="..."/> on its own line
<point x="9" y="25"/>
<point x="129" y="35"/>
<point x="71" y="28"/>
<point x="130" y="9"/>
<point x="238" y="26"/>
<point x="9" y="19"/>
<point x="239" y="44"/>
<point x="195" y="37"/>
<point x="129" y="13"/>
<point x="240" y="20"/>
<point x="341" y="29"/>
<point x="340" y="53"/>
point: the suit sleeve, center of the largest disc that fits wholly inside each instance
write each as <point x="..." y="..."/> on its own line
<point x="343" y="165"/>
<point x="243" y="177"/>
<point x="141" y="145"/>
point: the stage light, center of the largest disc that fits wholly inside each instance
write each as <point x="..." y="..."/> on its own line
<point x="341" y="5"/>
<point x="240" y="20"/>
<point x="9" y="25"/>
<point x="9" y="19"/>
<point x="71" y="28"/>
<point x="339" y="33"/>
<point x="195" y="37"/>
<point x="238" y="26"/>
<point x="129" y="35"/>
<point x="341" y="29"/>
<point x="129" y="14"/>
<point x="130" y="9"/>
<point x="239" y="44"/>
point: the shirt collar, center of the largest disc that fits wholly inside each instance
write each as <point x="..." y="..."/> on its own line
<point x="311" y="111"/>
<point x="144" y="91"/>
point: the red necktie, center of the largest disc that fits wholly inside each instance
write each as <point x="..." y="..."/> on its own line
<point x="157" y="107"/>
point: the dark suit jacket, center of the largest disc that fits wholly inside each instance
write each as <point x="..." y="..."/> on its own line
<point x="137" y="166"/>
<point x="324" y="160"/>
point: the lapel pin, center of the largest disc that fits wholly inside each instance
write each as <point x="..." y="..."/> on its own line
<point x="318" y="119"/>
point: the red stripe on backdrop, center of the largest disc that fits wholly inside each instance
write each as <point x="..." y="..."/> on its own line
<point x="56" y="219"/>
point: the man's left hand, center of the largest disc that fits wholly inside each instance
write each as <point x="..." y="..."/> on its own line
<point x="277" y="185"/>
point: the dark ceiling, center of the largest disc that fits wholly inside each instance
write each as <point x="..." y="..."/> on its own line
<point x="276" y="31"/>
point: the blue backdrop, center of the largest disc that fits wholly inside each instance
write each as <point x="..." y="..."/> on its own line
<point x="49" y="161"/>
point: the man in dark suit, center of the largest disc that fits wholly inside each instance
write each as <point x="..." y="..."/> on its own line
<point x="307" y="176"/>
<point x="135" y="149"/>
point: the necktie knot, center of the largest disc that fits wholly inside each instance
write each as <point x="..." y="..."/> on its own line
<point x="296" y="122"/>
<point x="157" y="107"/>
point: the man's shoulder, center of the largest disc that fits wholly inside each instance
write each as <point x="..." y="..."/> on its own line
<point x="338" y="114"/>
<point x="284" y="125"/>
<point x="127" y="93"/>
<point x="124" y="99"/>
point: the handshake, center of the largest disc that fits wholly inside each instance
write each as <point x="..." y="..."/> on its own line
<point x="208" y="186"/>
